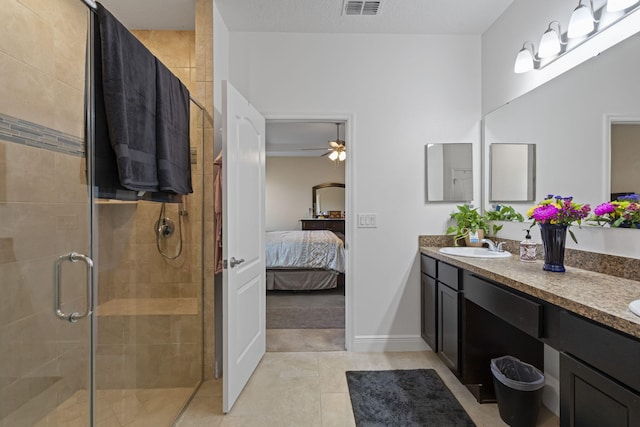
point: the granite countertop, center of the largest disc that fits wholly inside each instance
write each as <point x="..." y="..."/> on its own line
<point x="596" y="296"/>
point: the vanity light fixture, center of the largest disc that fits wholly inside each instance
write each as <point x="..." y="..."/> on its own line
<point x="551" y="41"/>
<point x="617" y="5"/>
<point x="582" y="26"/>
<point x="526" y="59"/>
<point x="582" y="21"/>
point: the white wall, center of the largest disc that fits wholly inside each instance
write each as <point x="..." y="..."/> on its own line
<point x="288" y="184"/>
<point x="526" y="20"/>
<point x="402" y="92"/>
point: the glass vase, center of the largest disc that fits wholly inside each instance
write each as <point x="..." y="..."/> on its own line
<point x="553" y="237"/>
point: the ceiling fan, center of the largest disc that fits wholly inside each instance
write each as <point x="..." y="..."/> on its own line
<point x="337" y="149"/>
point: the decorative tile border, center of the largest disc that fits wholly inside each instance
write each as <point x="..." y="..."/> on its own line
<point x="34" y="135"/>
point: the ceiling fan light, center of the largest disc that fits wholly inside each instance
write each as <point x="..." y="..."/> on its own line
<point x="342" y="156"/>
<point x="617" y="5"/>
<point x="333" y="156"/>
<point x="581" y="22"/>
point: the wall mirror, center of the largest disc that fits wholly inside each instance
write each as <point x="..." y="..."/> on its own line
<point x="449" y="172"/>
<point x="512" y="172"/>
<point x="570" y="119"/>
<point x="328" y="197"/>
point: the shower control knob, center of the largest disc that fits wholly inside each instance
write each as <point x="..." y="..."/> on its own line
<point x="233" y="262"/>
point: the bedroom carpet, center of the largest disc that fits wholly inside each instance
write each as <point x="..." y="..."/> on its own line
<point x="305" y="321"/>
<point x="414" y="397"/>
<point x="305" y="310"/>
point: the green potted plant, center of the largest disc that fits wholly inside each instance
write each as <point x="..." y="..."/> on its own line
<point x="468" y="220"/>
<point x="503" y="213"/>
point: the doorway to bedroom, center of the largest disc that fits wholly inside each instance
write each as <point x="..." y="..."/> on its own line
<point x="305" y="199"/>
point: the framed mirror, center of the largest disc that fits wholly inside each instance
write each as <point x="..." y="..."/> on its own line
<point x="328" y="197"/>
<point x="512" y="172"/>
<point x="449" y="172"/>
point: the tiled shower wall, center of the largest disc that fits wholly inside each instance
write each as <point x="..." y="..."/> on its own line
<point x="146" y="337"/>
<point x="43" y="204"/>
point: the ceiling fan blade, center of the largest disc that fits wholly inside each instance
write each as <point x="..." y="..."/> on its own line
<point x="335" y="144"/>
<point x="314" y="149"/>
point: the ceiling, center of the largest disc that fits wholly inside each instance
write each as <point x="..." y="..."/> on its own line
<point x="468" y="17"/>
<point x="316" y="16"/>
<point x="301" y="139"/>
<point x="154" y="14"/>
<point x="395" y="17"/>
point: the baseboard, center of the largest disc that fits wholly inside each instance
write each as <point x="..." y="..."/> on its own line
<point x="551" y="394"/>
<point x="382" y="343"/>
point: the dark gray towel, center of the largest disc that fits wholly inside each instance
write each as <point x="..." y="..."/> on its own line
<point x="106" y="176"/>
<point x="173" y="153"/>
<point x="129" y="88"/>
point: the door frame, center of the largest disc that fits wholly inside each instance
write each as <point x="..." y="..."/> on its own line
<point x="349" y="173"/>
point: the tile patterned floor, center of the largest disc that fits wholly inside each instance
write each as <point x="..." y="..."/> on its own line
<point x="310" y="389"/>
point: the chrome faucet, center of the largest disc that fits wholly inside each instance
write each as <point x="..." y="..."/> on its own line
<point x="493" y="246"/>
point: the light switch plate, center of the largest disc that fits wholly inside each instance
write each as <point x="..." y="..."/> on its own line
<point x="367" y="220"/>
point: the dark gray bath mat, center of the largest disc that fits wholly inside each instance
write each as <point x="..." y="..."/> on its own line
<point x="407" y="398"/>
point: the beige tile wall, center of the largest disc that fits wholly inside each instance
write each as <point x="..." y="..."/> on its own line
<point x="204" y="92"/>
<point x="145" y="351"/>
<point x="43" y="209"/>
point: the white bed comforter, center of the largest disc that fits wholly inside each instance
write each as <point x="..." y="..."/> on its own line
<point x="305" y="249"/>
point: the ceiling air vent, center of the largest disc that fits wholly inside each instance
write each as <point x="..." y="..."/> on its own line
<point x="371" y="8"/>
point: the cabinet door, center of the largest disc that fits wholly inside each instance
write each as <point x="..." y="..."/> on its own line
<point x="429" y="313"/>
<point x="448" y="326"/>
<point x="588" y="398"/>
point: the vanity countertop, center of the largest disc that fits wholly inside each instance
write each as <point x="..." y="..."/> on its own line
<point x="600" y="297"/>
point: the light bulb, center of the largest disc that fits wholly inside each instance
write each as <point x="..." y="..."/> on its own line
<point x="550" y="43"/>
<point x="581" y="22"/>
<point x="342" y="156"/>
<point x="524" y="60"/>
<point x="333" y="155"/>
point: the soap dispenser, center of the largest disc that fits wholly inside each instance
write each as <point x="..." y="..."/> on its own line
<point x="528" y="249"/>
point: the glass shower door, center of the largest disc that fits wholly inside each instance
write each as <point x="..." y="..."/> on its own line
<point x="45" y="209"/>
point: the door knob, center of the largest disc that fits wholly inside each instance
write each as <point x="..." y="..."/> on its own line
<point x="233" y="262"/>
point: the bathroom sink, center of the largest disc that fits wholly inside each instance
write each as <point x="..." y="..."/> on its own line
<point x="634" y="306"/>
<point x="474" y="252"/>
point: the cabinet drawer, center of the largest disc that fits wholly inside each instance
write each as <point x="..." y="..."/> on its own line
<point x="312" y="225"/>
<point x="449" y="275"/>
<point x="514" y="309"/>
<point x="335" y="226"/>
<point x="428" y="266"/>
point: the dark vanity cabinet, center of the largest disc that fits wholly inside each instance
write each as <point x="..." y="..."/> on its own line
<point x="440" y="313"/>
<point x="448" y="320"/>
<point x="428" y="302"/>
<point x="589" y="398"/>
<point x="469" y="319"/>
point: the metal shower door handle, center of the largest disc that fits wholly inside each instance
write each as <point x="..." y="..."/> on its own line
<point x="75" y="316"/>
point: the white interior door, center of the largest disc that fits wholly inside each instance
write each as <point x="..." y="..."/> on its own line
<point x="243" y="231"/>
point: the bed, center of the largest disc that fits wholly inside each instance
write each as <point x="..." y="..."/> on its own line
<point x="304" y="260"/>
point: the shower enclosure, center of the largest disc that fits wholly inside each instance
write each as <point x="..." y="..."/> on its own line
<point x="96" y="326"/>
